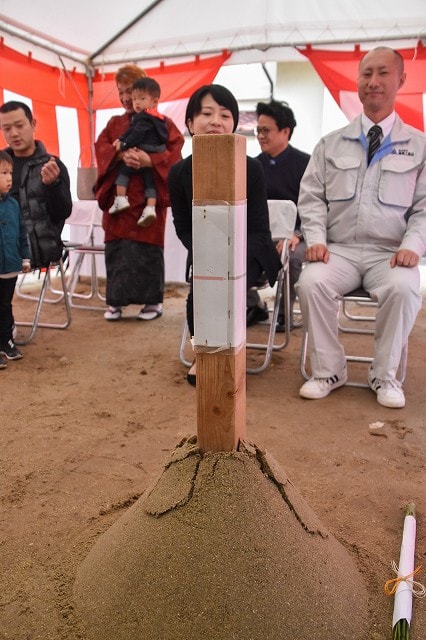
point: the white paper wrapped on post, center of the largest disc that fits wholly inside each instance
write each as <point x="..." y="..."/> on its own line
<point x="404" y="587"/>
<point x="219" y="274"/>
<point x="403" y="604"/>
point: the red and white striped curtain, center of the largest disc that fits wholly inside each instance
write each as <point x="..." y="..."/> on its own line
<point x="49" y="86"/>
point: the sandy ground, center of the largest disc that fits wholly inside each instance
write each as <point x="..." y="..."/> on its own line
<point x="90" y="414"/>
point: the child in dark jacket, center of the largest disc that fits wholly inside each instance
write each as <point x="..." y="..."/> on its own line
<point x="14" y="258"/>
<point x="147" y="131"/>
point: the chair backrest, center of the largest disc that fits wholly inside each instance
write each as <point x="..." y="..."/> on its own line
<point x="282" y="218"/>
<point x="84" y="219"/>
<point x="86" y="213"/>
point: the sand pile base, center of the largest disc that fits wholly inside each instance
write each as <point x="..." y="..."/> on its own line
<point x="221" y="547"/>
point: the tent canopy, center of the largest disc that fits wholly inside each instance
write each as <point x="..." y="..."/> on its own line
<point x="84" y="32"/>
<point x="65" y="54"/>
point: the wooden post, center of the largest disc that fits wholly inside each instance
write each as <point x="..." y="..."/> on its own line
<point x="219" y="272"/>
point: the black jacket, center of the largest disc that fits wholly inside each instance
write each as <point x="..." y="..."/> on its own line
<point x="284" y="173"/>
<point x="260" y="247"/>
<point x="146" y="132"/>
<point x="44" y="207"/>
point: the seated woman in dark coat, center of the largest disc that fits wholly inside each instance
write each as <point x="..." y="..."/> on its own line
<point x="212" y="109"/>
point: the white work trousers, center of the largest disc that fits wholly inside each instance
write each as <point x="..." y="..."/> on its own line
<point x="396" y="291"/>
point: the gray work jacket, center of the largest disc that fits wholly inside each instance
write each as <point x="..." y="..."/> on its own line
<point x="342" y="200"/>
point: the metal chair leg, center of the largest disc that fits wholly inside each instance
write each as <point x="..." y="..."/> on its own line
<point x="35" y="323"/>
<point x="271" y="345"/>
<point x="183" y="341"/>
<point x="268" y="346"/>
<point x="94" y="291"/>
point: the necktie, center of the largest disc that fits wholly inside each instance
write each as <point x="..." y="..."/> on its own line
<point x="374" y="136"/>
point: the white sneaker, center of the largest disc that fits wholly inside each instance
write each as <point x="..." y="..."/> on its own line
<point x="120" y="204"/>
<point x="112" y="313"/>
<point x="148" y="216"/>
<point x="389" y="392"/>
<point x="317" y="388"/>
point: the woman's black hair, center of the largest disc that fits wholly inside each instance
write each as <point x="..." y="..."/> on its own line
<point x="220" y="94"/>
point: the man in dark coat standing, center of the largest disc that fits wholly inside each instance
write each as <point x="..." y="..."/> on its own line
<point x="40" y="184"/>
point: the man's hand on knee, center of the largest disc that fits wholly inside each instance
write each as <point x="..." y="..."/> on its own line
<point x="317" y="253"/>
<point x="405" y="258"/>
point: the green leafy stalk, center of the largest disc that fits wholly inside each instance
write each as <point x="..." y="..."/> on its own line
<point x="410" y="509"/>
<point x="401" y="630"/>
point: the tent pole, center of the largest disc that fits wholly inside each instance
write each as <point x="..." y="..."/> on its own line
<point x="271" y="83"/>
<point x="126" y="28"/>
<point x="90" y="73"/>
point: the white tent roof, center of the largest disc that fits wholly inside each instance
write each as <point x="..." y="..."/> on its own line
<point x="107" y="34"/>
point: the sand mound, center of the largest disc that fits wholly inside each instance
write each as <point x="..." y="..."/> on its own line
<point x="220" y="547"/>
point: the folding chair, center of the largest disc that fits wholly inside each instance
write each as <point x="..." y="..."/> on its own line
<point x="41" y="299"/>
<point x="22" y="281"/>
<point x="87" y="218"/>
<point x="357" y="300"/>
<point x="282" y="217"/>
<point x="58" y="295"/>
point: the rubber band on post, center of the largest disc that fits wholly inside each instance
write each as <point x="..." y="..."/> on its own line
<point x="391" y="585"/>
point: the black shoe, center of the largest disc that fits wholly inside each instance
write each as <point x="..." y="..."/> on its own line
<point x="257" y="314"/>
<point x="263" y="281"/>
<point x="3" y="363"/>
<point x="281" y="325"/>
<point x="192" y="377"/>
<point x="10" y="351"/>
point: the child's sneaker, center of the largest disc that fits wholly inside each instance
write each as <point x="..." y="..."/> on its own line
<point x="148" y="216"/>
<point x="3" y="362"/>
<point x="120" y="204"/>
<point x="10" y="351"/>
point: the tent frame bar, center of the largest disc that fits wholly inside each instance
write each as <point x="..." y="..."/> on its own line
<point x="90" y="63"/>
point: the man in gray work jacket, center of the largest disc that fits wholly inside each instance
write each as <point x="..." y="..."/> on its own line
<point x="364" y="223"/>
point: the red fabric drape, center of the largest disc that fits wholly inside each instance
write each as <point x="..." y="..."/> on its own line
<point x="48" y="86"/>
<point x="177" y="81"/>
<point x="339" y="70"/>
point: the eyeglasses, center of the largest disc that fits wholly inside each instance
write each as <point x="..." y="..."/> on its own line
<point x="263" y="131"/>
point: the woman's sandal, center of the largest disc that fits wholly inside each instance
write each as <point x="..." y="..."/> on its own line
<point x="150" y="312"/>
